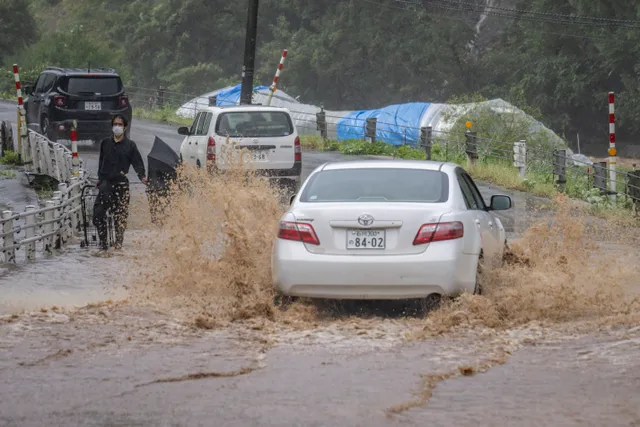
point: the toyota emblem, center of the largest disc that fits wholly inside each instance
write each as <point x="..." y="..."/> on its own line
<point x="365" y="220"/>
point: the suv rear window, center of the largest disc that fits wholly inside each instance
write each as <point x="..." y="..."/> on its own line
<point x="77" y="85"/>
<point x="254" y="124"/>
<point x="377" y="185"/>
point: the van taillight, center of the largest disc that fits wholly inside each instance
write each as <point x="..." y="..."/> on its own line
<point x="211" y="149"/>
<point x="59" y="100"/>
<point x="297" y="149"/>
<point x="123" y="101"/>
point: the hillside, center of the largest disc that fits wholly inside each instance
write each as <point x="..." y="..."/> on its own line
<point x="543" y="56"/>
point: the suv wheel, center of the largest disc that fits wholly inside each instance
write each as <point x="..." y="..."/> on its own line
<point x="44" y="126"/>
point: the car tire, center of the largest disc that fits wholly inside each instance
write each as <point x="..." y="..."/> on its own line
<point x="505" y="254"/>
<point x="430" y="303"/>
<point x="479" y="285"/>
<point x="283" y="301"/>
<point x="45" y="127"/>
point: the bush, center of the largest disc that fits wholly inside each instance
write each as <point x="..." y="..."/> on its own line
<point x="9" y="158"/>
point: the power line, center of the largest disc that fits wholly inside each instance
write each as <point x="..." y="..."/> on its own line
<point x="546" y="14"/>
<point x="522" y="15"/>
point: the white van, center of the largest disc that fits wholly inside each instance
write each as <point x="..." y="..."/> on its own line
<point x="268" y="133"/>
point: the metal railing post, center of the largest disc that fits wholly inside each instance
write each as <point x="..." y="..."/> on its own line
<point x="560" y="167"/>
<point x="321" y="123"/>
<point x="426" y="140"/>
<point x="57" y="225"/>
<point x="75" y="220"/>
<point x="7" y="230"/>
<point x="64" y="212"/>
<point x="29" y="233"/>
<point x="49" y="226"/>
<point x="471" y="148"/>
<point x="600" y="176"/>
<point x="370" y="129"/>
<point x="520" y="157"/>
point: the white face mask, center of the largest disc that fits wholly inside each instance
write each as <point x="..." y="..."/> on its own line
<point x="118" y="130"/>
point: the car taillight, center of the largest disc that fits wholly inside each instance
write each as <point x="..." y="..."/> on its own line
<point x="437" y="232"/>
<point x="297" y="149"/>
<point x="211" y="149"/>
<point x="123" y="101"/>
<point x="299" y="232"/>
<point x="59" y="100"/>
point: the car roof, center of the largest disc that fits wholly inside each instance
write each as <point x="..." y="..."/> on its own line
<point x="447" y="167"/>
<point x="242" y="107"/>
<point x="83" y="71"/>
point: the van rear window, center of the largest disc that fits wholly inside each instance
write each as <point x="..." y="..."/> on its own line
<point x="254" y="124"/>
<point x="93" y="85"/>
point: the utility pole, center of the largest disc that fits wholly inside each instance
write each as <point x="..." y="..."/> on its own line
<point x="249" y="52"/>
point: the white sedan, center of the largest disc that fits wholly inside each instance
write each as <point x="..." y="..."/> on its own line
<point x="387" y="229"/>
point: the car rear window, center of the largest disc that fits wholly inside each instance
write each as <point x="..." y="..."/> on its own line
<point x="92" y="85"/>
<point x="254" y="124"/>
<point x="377" y="185"/>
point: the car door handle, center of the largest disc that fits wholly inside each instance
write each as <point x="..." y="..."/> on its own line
<point x="490" y="223"/>
<point x="477" y="221"/>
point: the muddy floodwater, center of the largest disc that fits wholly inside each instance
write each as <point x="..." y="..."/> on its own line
<point x="180" y="329"/>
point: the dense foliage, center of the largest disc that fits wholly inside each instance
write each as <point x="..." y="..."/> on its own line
<point x="351" y="54"/>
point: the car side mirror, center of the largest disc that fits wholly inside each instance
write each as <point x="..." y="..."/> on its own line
<point x="500" y="203"/>
<point x="183" y="130"/>
<point x="28" y="90"/>
<point x="291" y="199"/>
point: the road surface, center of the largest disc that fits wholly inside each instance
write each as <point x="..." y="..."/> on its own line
<point x="112" y="364"/>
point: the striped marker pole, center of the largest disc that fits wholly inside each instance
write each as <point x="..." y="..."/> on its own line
<point x="277" y="76"/>
<point x="21" y="123"/>
<point x="75" y="160"/>
<point x="612" y="148"/>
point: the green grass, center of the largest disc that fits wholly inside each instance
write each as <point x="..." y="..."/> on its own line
<point x="7" y="174"/>
<point x="538" y="180"/>
<point x="10" y="158"/>
<point x="165" y="115"/>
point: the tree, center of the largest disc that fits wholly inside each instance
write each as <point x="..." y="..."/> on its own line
<point x="18" y="27"/>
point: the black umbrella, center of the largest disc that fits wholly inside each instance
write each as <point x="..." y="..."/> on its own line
<point x="162" y="161"/>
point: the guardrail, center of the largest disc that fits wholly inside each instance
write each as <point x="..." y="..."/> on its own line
<point x="53" y="225"/>
<point x="49" y="158"/>
<point x="61" y="217"/>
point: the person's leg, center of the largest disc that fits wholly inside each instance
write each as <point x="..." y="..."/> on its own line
<point x="100" y="218"/>
<point x="121" y="212"/>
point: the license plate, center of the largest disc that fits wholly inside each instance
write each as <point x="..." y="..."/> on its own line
<point x="93" y="106"/>
<point x="260" y="156"/>
<point x="366" y="239"/>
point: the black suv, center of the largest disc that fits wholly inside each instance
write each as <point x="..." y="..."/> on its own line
<point x="89" y="96"/>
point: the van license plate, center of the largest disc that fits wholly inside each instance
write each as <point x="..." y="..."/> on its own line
<point x="366" y="239"/>
<point x="260" y="156"/>
<point x="93" y="106"/>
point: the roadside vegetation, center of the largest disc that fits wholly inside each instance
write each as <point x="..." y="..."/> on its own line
<point x="496" y="134"/>
<point x="10" y="158"/>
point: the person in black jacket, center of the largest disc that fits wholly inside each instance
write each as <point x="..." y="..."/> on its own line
<point x="117" y="154"/>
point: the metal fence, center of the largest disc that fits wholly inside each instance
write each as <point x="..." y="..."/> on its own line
<point x="553" y="161"/>
<point x="60" y="219"/>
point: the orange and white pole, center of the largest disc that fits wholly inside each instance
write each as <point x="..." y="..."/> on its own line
<point x="612" y="148"/>
<point x="21" y="123"/>
<point x="75" y="160"/>
<point x="277" y="76"/>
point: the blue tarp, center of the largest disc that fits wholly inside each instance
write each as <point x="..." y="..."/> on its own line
<point x="396" y="124"/>
<point x="231" y="96"/>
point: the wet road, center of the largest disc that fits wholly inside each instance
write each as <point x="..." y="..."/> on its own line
<point x="113" y="369"/>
